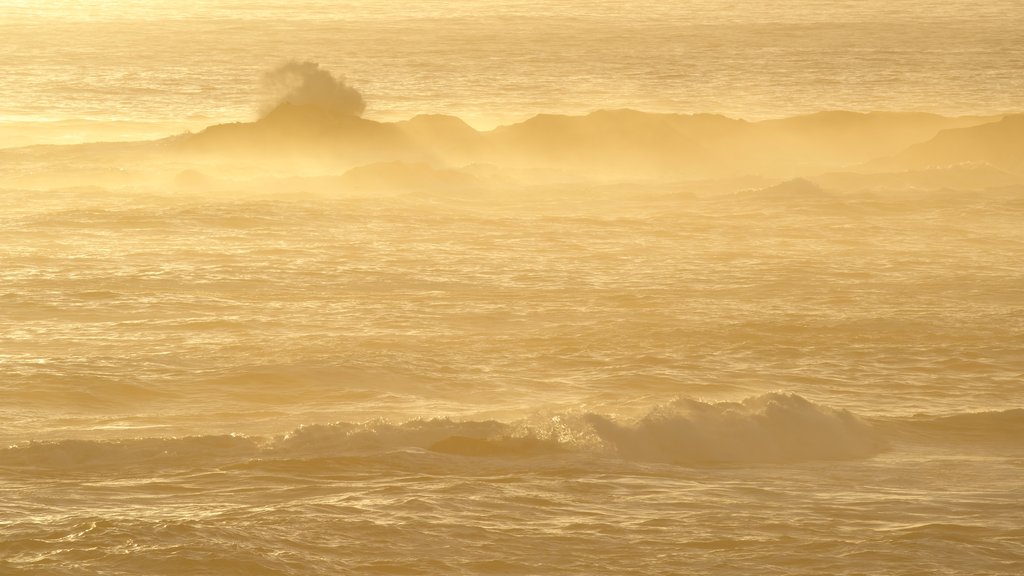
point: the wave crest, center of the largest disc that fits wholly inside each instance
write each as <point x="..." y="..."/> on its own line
<point x="996" y="426"/>
<point x="764" y="429"/>
<point x="773" y="428"/>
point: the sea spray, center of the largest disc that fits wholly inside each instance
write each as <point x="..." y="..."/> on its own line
<point x="768" y="428"/>
<point x="305" y="83"/>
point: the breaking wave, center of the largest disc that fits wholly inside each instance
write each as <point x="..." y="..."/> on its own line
<point x="767" y="429"/>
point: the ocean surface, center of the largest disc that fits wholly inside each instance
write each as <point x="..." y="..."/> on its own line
<point x="568" y="377"/>
<point x="188" y="64"/>
<point x="436" y="386"/>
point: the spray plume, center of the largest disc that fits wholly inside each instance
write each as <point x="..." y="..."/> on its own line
<point x="305" y="83"/>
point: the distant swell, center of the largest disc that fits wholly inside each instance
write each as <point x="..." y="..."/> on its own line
<point x="997" y="426"/>
<point x="171" y="452"/>
<point x="771" y="428"/>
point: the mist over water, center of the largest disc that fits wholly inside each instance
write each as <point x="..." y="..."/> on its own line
<point x="289" y="385"/>
<point x="277" y="310"/>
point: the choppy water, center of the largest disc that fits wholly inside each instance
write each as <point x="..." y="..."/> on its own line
<point x="638" y="378"/>
<point x="419" y="385"/>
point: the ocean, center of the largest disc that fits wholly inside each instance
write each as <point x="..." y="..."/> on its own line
<point x="459" y="358"/>
<point x="187" y="65"/>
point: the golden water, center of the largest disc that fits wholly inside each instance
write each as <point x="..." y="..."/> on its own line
<point x="620" y="343"/>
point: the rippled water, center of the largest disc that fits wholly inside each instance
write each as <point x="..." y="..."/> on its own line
<point x="426" y="385"/>
<point x="626" y="378"/>
<point x="491" y="62"/>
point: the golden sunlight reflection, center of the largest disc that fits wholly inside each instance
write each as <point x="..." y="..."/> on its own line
<point x="520" y="287"/>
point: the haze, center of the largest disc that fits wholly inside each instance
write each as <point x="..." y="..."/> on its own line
<point x="511" y="287"/>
